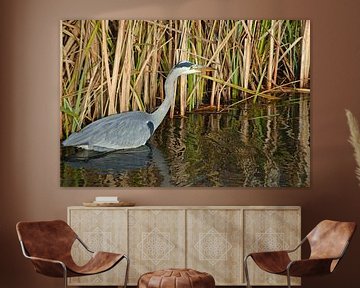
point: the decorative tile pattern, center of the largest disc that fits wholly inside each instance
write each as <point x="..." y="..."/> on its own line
<point x="157" y="241"/>
<point x="156" y="246"/>
<point x="214" y="243"/>
<point x="269" y="240"/>
<point x="213" y="246"/>
<point x="99" y="240"/>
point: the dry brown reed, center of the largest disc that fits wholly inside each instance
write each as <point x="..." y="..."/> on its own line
<point x="110" y="67"/>
<point x="305" y="56"/>
<point x="354" y="139"/>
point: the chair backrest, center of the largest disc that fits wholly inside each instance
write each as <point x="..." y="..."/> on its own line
<point x="329" y="239"/>
<point x="46" y="239"/>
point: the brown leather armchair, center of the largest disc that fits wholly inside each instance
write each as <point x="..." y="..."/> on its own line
<point x="48" y="245"/>
<point x="328" y="242"/>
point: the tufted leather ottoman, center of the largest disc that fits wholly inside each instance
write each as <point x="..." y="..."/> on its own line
<point x="176" y="278"/>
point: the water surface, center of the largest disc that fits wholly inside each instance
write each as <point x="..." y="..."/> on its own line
<point x="265" y="145"/>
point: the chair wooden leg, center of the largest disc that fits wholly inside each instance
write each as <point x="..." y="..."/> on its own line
<point x="246" y="271"/>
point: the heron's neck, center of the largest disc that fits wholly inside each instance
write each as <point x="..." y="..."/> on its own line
<point x="163" y="109"/>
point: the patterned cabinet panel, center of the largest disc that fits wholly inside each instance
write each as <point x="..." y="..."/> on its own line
<point x="210" y="239"/>
<point x="214" y="244"/>
<point x="156" y="240"/>
<point x="271" y="229"/>
<point x="101" y="230"/>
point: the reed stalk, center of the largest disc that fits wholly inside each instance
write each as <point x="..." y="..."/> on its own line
<point x="247" y="52"/>
<point x="277" y="52"/>
<point x="354" y="140"/>
<point x="183" y="55"/>
<point x="305" y="56"/>
<point x="126" y="71"/>
<point x="270" y="67"/>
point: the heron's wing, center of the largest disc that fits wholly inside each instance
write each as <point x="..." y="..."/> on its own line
<point x="124" y="132"/>
<point x="120" y="131"/>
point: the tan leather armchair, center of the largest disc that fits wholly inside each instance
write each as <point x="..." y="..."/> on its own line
<point x="48" y="245"/>
<point x="328" y="242"/>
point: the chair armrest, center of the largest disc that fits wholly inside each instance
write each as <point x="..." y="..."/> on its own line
<point x="32" y="258"/>
<point x="308" y="267"/>
<point x="48" y="267"/>
<point x="268" y="253"/>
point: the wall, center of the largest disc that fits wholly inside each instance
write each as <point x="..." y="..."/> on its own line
<point x="29" y="111"/>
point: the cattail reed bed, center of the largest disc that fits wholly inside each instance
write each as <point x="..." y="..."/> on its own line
<point x="110" y="67"/>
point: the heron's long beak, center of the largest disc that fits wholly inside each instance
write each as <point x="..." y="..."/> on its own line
<point x="204" y="69"/>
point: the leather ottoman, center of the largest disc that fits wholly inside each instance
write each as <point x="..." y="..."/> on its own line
<point x="176" y="278"/>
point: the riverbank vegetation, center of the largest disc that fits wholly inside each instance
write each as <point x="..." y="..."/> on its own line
<point x="110" y="67"/>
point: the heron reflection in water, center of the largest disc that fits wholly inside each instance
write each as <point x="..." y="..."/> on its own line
<point x="117" y="162"/>
<point x="131" y="129"/>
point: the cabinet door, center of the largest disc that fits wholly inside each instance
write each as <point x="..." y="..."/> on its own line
<point x="214" y="244"/>
<point x="156" y="240"/>
<point x="269" y="230"/>
<point x="101" y="230"/>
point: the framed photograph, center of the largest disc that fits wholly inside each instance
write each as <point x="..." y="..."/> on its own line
<point x="178" y="103"/>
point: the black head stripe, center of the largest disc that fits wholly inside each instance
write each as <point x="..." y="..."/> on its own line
<point x="183" y="64"/>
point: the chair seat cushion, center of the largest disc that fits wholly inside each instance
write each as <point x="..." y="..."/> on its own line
<point x="176" y="278"/>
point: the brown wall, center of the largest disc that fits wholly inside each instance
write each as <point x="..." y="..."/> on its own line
<point x="29" y="110"/>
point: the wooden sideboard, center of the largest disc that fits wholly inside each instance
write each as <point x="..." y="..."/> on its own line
<point x="212" y="239"/>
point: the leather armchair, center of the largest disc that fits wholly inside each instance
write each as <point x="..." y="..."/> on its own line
<point x="48" y="245"/>
<point x="328" y="242"/>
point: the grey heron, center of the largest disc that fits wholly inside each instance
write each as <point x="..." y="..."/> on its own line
<point x="130" y="129"/>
